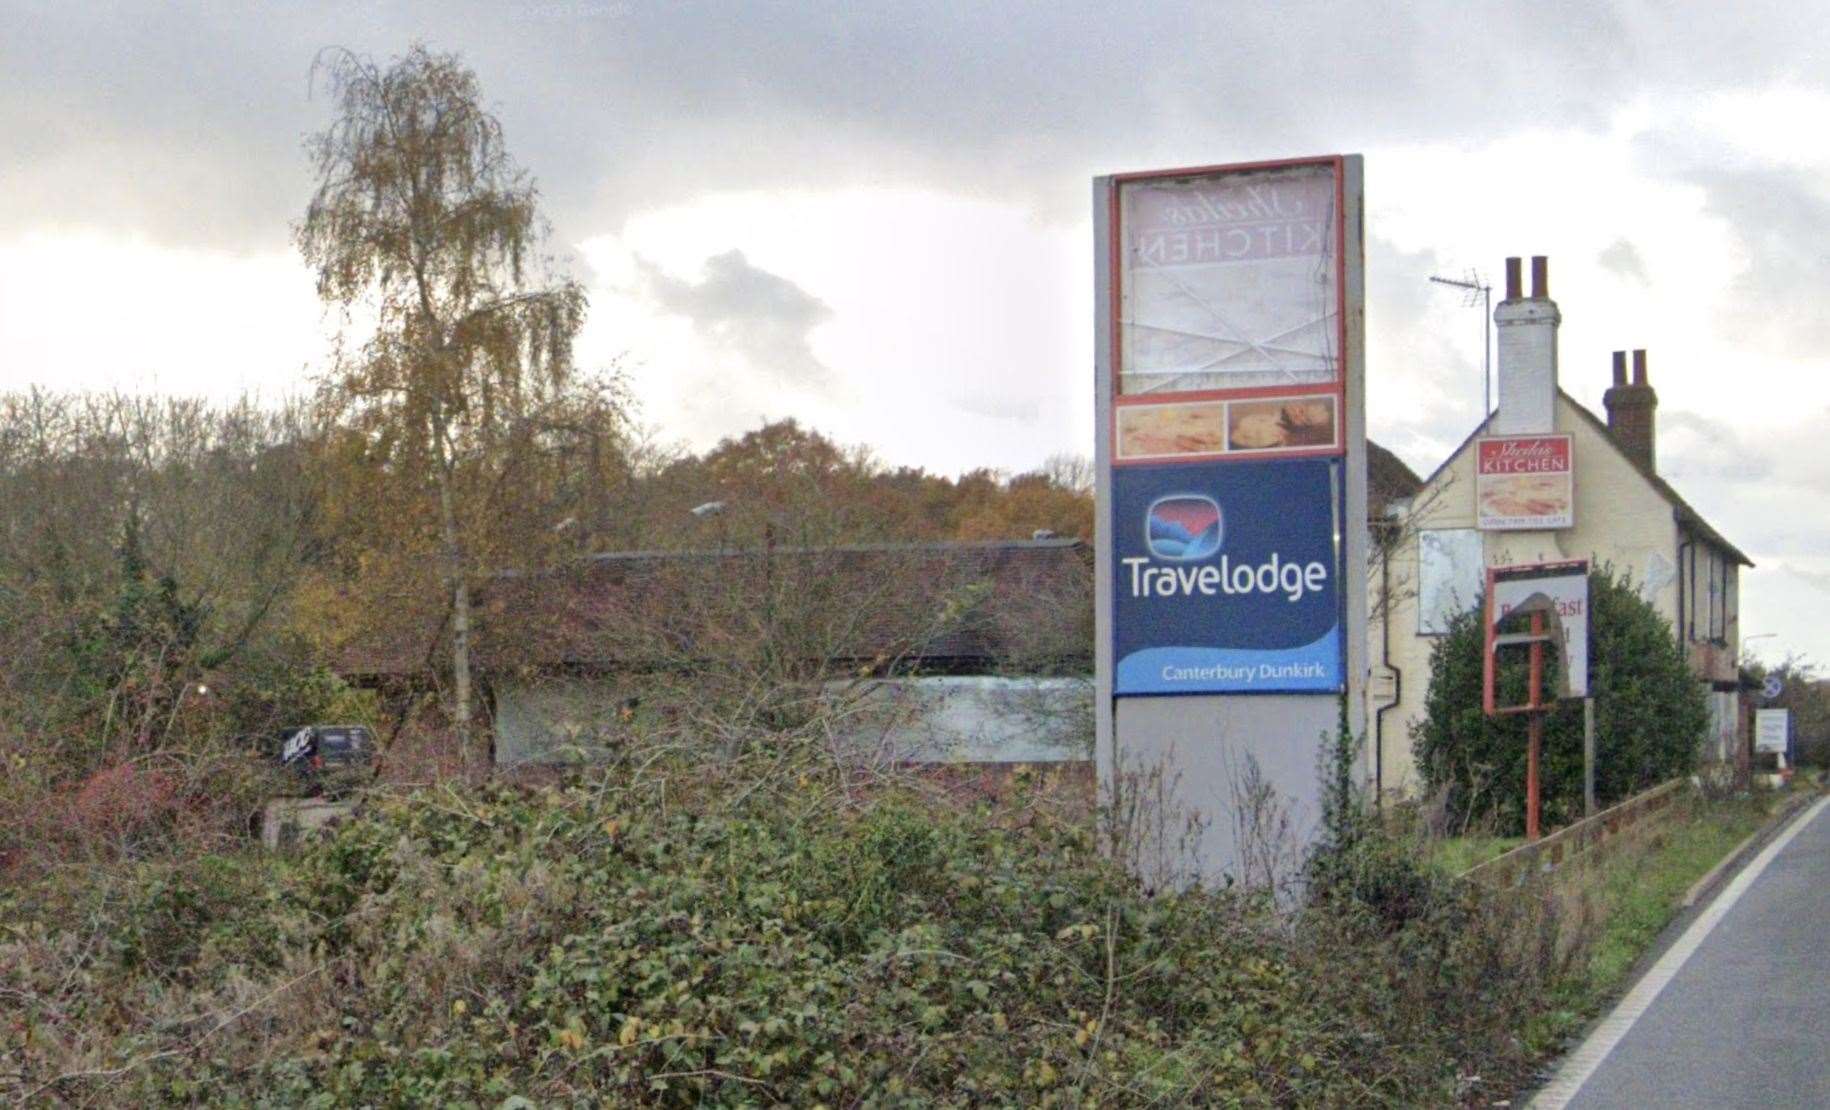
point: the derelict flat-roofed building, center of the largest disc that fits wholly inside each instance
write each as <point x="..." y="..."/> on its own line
<point x="941" y="652"/>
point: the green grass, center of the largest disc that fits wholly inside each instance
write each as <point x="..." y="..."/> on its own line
<point x="1633" y="895"/>
<point x="1640" y="890"/>
<point x="1455" y="856"/>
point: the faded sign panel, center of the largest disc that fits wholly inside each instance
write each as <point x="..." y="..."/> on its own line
<point x="1772" y="728"/>
<point x="1228" y="281"/>
<point x="965" y="719"/>
<point x="1193" y="429"/>
<point x="1525" y="483"/>
<point x="1450" y="570"/>
<point x="1166" y="431"/>
<point x="1560" y="591"/>
<point x="1282" y="423"/>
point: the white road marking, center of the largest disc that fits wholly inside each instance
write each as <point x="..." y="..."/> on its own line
<point x="1581" y="1064"/>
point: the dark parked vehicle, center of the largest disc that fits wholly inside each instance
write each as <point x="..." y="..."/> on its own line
<point x="329" y="759"/>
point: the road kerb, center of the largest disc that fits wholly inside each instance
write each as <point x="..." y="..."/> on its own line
<point x="1727" y="864"/>
<point x="1582" y="1063"/>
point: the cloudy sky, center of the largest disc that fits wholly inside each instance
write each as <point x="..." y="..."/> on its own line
<point x="874" y="216"/>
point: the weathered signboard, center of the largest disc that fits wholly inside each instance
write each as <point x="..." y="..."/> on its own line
<point x="1229" y="279"/>
<point x="1772" y="730"/>
<point x="1231" y="497"/>
<point x="1554" y="599"/>
<point x="1451" y="572"/>
<point x="1525" y="483"/>
<point x="1558" y="591"/>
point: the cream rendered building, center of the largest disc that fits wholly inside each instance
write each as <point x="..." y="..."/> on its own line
<point x="1625" y="516"/>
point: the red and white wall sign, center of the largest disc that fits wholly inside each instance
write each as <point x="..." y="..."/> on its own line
<point x="1525" y="483"/>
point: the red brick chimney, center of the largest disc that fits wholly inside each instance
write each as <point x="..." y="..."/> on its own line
<point x="1632" y="411"/>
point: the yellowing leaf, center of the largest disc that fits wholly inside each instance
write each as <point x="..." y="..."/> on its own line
<point x="632" y="1028"/>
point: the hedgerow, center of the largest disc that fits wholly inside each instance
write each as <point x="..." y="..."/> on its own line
<point x="663" y="941"/>
<point x="1650" y="712"/>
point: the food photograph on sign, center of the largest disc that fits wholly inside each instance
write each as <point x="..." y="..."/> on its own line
<point x="1290" y="422"/>
<point x="1203" y="428"/>
<point x="1165" y="431"/>
<point x="1525" y="483"/>
<point x="1229" y="282"/>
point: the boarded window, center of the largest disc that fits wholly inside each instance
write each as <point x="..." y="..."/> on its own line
<point x="1449" y="573"/>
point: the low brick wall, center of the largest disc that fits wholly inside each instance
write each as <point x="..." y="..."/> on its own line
<point x="1551" y="852"/>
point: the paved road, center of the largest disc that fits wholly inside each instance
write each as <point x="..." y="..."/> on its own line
<point x="1745" y="1019"/>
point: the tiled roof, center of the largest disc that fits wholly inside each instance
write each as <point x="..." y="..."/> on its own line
<point x="1387" y="480"/>
<point x="1686" y="515"/>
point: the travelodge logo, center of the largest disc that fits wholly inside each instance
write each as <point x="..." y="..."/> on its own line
<point x="1182" y="527"/>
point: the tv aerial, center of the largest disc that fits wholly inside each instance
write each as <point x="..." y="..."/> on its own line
<point x="1474" y="289"/>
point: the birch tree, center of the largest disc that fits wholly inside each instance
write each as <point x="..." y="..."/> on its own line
<point x="423" y="224"/>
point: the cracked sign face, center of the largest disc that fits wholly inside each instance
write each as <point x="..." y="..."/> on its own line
<point x="1228" y="281"/>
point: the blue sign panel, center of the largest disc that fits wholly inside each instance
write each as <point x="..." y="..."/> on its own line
<point x="1226" y="577"/>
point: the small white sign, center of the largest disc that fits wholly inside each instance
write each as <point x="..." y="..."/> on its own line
<point x="1771" y="727"/>
<point x="1451" y="567"/>
<point x="296" y="745"/>
<point x="1772" y="687"/>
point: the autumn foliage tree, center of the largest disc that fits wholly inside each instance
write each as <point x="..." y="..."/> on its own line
<point x="423" y="223"/>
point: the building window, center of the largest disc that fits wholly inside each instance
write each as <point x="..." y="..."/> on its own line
<point x="1717" y="596"/>
<point x="1731" y="576"/>
<point x="1689" y="571"/>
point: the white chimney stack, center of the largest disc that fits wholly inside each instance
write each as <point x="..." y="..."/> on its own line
<point x="1528" y="353"/>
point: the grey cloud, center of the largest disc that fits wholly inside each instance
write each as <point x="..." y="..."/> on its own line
<point x="740" y="308"/>
<point x="619" y="104"/>
<point x="1622" y="259"/>
<point x="1778" y="213"/>
<point x="1761" y="489"/>
<point x="1813" y="578"/>
<point x="1411" y="353"/>
<point x="1693" y="446"/>
<point x="1780" y="216"/>
<point x="994" y="407"/>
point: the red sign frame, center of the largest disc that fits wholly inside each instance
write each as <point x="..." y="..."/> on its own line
<point x="1337" y="390"/>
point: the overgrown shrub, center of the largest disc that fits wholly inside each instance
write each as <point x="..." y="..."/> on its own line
<point x="1651" y="716"/>
<point x="772" y="933"/>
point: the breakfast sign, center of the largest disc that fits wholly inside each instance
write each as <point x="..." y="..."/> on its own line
<point x="1525" y="483"/>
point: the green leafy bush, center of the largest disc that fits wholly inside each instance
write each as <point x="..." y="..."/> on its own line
<point x="1651" y="716"/>
<point x="687" y="937"/>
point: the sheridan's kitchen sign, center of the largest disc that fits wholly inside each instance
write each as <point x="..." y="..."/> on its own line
<point x="1525" y="483"/>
